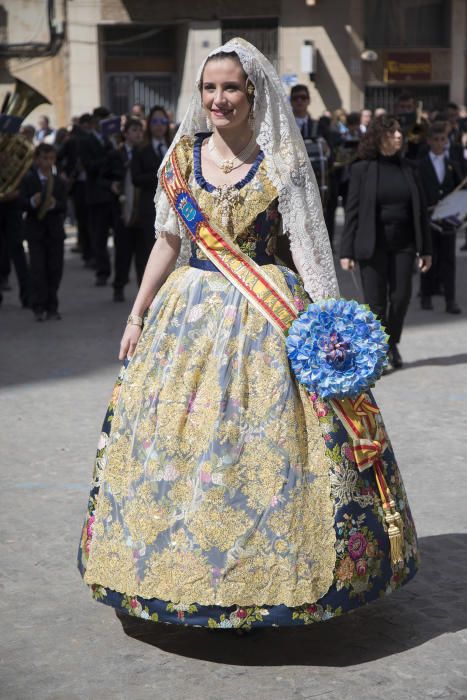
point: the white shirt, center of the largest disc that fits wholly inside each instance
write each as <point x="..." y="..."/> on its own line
<point x="162" y="144"/>
<point x="301" y="121"/>
<point x="129" y="151"/>
<point x="439" y="165"/>
<point x="43" y="178"/>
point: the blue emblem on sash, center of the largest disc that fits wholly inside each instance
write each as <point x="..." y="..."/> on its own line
<point x="189" y="211"/>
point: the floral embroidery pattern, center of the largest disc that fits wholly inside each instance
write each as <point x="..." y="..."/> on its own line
<point x="187" y="439"/>
<point x="201" y="473"/>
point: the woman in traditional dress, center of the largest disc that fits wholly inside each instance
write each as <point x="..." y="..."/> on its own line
<point x="225" y="495"/>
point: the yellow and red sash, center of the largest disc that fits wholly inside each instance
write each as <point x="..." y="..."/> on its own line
<point x="358" y="416"/>
<point x="239" y="268"/>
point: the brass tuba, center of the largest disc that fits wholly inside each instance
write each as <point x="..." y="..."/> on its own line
<point x="16" y="151"/>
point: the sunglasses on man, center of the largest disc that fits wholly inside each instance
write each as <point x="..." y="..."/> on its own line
<point x="300" y="97"/>
<point x="158" y="120"/>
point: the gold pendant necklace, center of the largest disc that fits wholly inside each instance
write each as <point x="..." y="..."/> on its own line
<point x="229" y="164"/>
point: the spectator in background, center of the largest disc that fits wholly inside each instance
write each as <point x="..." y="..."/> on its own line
<point x="300" y="103"/>
<point x="128" y="237"/>
<point x="379" y="112"/>
<point x="43" y="128"/>
<point x="344" y="153"/>
<point x="144" y="166"/>
<point x="405" y="109"/>
<point x="104" y="174"/>
<point x="61" y="136"/>
<point x="386" y="226"/>
<point x="452" y="149"/>
<point x="413" y="128"/>
<point x="317" y="136"/>
<point x="28" y="131"/>
<point x="339" y="119"/>
<point x="137" y="112"/>
<point x="43" y="196"/>
<point x="439" y="177"/>
<point x="453" y="119"/>
<point x="365" y="119"/>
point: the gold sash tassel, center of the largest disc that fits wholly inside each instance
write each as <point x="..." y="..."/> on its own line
<point x="393" y="518"/>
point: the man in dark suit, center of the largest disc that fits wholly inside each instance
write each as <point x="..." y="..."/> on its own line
<point x="104" y="175"/>
<point x="144" y="166"/>
<point x="11" y="244"/>
<point x="128" y="237"/>
<point x="43" y="196"/>
<point x="439" y="177"/>
<point x="71" y="168"/>
<point x="454" y="123"/>
<point x="319" y="142"/>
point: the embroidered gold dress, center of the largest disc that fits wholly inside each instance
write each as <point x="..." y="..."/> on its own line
<point x="221" y="495"/>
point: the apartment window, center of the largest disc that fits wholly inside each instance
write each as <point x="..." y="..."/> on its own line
<point x="261" y="32"/>
<point x="139" y="65"/>
<point x="407" y="23"/>
<point x="126" y="89"/>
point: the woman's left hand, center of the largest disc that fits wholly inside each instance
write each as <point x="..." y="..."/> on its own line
<point x="424" y="263"/>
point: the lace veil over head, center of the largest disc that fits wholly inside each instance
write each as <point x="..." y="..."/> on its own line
<point x="289" y="168"/>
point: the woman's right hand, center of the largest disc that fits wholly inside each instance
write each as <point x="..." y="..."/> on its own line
<point x="129" y="341"/>
<point x="347" y="264"/>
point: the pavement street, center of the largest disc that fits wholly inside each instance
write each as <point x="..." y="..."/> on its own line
<point x="56" y="643"/>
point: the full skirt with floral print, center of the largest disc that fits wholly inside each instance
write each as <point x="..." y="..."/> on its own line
<point x="223" y="495"/>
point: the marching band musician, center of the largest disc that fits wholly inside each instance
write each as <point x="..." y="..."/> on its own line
<point x="72" y="170"/>
<point x="104" y="174"/>
<point x="344" y="154"/>
<point x="43" y="196"/>
<point x="316" y="139"/>
<point x="439" y="176"/>
<point x="128" y="236"/>
<point x="144" y="167"/>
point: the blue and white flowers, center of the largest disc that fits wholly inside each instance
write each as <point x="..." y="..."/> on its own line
<point x="337" y="348"/>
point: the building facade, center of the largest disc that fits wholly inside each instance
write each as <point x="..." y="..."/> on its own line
<point x="118" y="52"/>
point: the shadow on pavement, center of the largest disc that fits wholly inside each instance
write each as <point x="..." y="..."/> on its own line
<point x="431" y="605"/>
<point x="460" y="359"/>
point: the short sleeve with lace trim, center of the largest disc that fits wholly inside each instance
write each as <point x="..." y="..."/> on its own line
<point x="166" y="219"/>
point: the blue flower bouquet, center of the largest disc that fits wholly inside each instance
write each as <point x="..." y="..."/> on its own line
<point x="337" y="348"/>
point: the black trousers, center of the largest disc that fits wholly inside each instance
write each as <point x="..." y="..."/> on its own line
<point x="131" y="241"/>
<point x="103" y="218"/>
<point x="387" y="287"/>
<point x="82" y="219"/>
<point x="443" y="268"/>
<point x="11" y="247"/>
<point x="46" y="253"/>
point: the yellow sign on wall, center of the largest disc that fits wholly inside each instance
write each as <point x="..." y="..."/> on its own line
<point x="405" y="66"/>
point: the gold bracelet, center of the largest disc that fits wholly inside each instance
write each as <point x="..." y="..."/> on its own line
<point x="134" y="321"/>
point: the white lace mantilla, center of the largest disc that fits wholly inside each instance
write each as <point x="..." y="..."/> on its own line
<point x="289" y="169"/>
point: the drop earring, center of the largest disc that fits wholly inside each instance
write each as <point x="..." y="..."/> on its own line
<point x="208" y="124"/>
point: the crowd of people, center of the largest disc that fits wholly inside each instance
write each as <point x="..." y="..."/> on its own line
<point x="105" y="180"/>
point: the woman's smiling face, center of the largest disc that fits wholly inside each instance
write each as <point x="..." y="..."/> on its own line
<point x="223" y="92"/>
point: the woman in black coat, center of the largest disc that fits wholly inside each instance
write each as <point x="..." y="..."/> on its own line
<point x="386" y="227"/>
<point x="144" y="166"/>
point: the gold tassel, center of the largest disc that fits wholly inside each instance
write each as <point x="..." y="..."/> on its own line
<point x="396" y="537"/>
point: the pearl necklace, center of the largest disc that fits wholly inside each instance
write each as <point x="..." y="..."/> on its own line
<point x="229" y="164"/>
